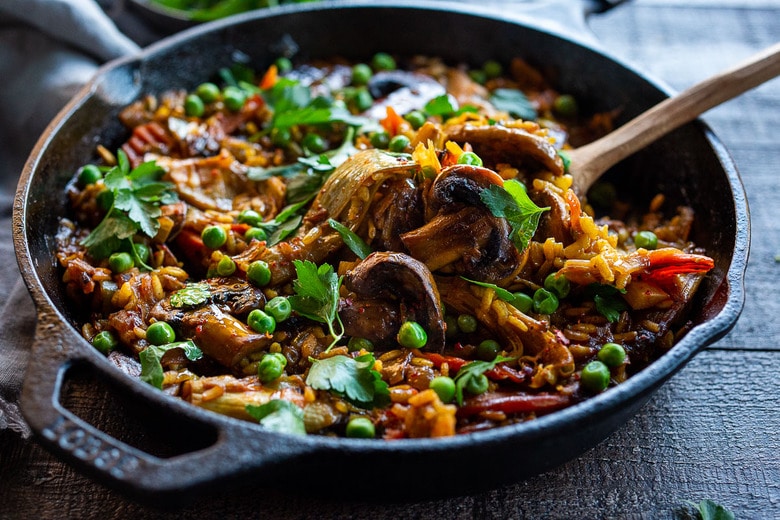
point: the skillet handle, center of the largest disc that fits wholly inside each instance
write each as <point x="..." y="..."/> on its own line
<point x="239" y="447"/>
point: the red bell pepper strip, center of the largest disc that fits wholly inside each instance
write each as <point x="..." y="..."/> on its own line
<point x="513" y="403"/>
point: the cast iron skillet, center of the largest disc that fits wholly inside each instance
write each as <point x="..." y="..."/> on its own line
<point x="690" y="166"/>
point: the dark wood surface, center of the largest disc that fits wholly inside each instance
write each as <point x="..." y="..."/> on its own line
<point x="712" y="432"/>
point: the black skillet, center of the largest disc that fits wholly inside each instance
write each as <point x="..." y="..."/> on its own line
<point x="690" y="166"/>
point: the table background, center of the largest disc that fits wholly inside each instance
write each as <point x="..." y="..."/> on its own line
<point x="713" y="431"/>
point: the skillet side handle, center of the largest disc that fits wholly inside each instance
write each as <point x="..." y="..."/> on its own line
<point x="238" y="448"/>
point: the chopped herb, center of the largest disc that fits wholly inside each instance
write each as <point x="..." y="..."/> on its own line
<point x="279" y="415"/>
<point x="317" y="295"/>
<point x="608" y="301"/>
<point x="471" y="371"/>
<point x="353" y="379"/>
<point x="514" y="102"/>
<point x="190" y="295"/>
<point x="500" y="291"/>
<point x="151" y="368"/>
<point x="353" y="241"/>
<point x="709" y="510"/>
<point x="137" y="196"/>
<point x="512" y="203"/>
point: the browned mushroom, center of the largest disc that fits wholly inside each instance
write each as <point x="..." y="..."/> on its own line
<point x="461" y="234"/>
<point x="387" y="289"/>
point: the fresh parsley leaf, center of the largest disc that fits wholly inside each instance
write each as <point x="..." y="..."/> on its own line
<point x="279" y="415"/>
<point x="317" y="295"/>
<point x="512" y="203"/>
<point x="608" y="301"/>
<point x="191" y="295"/>
<point x="353" y="241"/>
<point x="709" y="510"/>
<point x="500" y="291"/>
<point x="353" y="379"/>
<point x="473" y="370"/>
<point x="137" y="196"/>
<point x="443" y="105"/>
<point x="284" y="230"/>
<point x="151" y="368"/>
<point x="514" y="102"/>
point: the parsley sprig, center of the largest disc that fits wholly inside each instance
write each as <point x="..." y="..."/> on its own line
<point x="137" y="197"/>
<point x="471" y="371"/>
<point x="353" y="379"/>
<point x="608" y="301"/>
<point x="317" y="296"/>
<point x="278" y="415"/>
<point x="151" y="368"/>
<point x="512" y="203"/>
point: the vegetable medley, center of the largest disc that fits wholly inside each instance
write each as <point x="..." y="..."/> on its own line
<point x="387" y="249"/>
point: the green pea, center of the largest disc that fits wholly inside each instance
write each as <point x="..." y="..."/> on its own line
<point x="363" y="100"/>
<point x="89" y="174"/>
<point x="478" y="76"/>
<point x="208" y="92"/>
<point x="380" y="140"/>
<point x="226" y="266"/>
<point x="383" y="61"/>
<point x="595" y="376"/>
<point x="105" y="341"/>
<point x="646" y="239"/>
<point x="249" y="216"/>
<point x="493" y="69"/>
<point x="557" y="284"/>
<point x="314" y="143"/>
<point x="467" y="323"/>
<point x="283" y="65"/>
<point x="261" y="322"/>
<point x="523" y="302"/>
<point x="565" y="105"/>
<point x="356" y="344"/>
<point x="259" y="273"/>
<point x="120" y="262"/>
<point x="213" y="237"/>
<point x="452" y="326"/>
<point x="415" y="118"/>
<point x="444" y="387"/>
<point x="477" y="385"/>
<point x="255" y="233"/>
<point x="399" y="143"/>
<point x="281" y="137"/>
<point x="545" y="302"/>
<point x="234" y="98"/>
<point x="279" y="307"/>
<point x="193" y="106"/>
<point x="470" y="158"/>
<point x="142" y="251"/>
<point x="360" y="428"/>
<point x="105" y="199"/>
<point x="612" y="354"/>
<point x="361" y="73"/>
<point x="160" y="333"/>
<point x="271" y="367"/>
<point x="412" y="335"/>
<point x="488" y="349"/>
<point x="565" y="159"/>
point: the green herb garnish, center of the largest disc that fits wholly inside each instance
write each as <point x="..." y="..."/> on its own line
<point x="317" y="295"/>
<point x="512" y="203"/>
<point x="709" y="510"/>
<point x="473" y="370"/>
<point x="514" y="102"/>
<point x="353" y="379"/>
<point x="279" y="415"/>
<point x="151" y="368"/>
<point x="500" y="291"/>
<point x="137" y="197"/>
<point x="352" y="240"/>
<point x="608" y="301"/>
<point x="190" y="295"/>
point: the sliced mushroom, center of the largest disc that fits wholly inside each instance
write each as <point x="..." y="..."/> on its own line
<point x="387" y="289"/>
<point x="404" y="91"/>
<point x="497" y="144"/>
<point x="555" y="223"/>
<point x="461" y="234"/>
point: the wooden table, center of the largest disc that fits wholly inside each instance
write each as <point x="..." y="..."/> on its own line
<point x="713" y="431"/>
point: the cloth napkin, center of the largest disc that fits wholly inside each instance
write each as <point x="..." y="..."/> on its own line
<point x="49" y="49"/>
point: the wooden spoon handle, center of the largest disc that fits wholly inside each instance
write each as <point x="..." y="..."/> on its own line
<point x="589" y="162"/>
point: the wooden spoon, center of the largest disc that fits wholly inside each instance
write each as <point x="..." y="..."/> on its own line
<point x="589" y="162"/>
